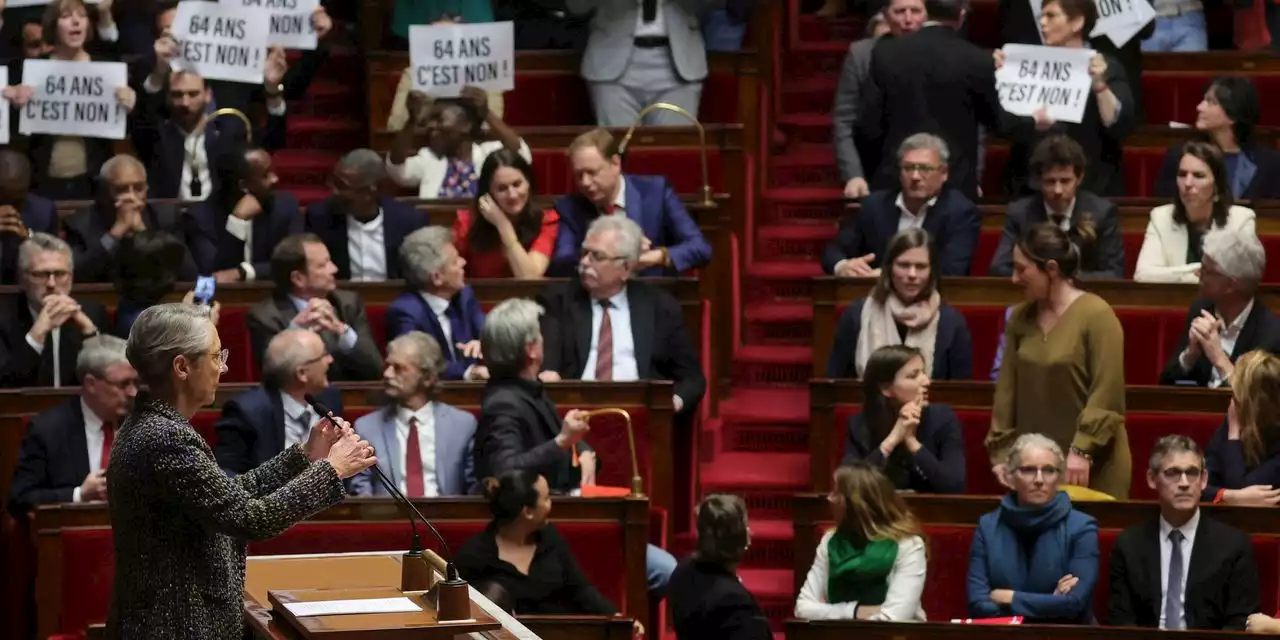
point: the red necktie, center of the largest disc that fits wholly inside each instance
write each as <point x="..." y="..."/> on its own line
<point x="611" y="209"/>
<point x="413" y="485"/>
<point x="108" y="438"/>
<point x="604" y="346"/>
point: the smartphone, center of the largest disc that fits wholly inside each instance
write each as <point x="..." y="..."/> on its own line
<point x="205" y="287"/>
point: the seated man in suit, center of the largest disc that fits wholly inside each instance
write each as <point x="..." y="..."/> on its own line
<point x="233" y="233"/>
<point x="1093" y="223"/>
<point x="66" y="449"/>
<point x="519" y="425"/>
<point x="924" y="201"/>
<point x="440" y="302"/>
<point x="424" y="446"/>
<point x="121" y="208"/>
<point x="261" y="422"/>
<point x="306" y="296"/>
<point x="1183" y="570"/>
<point x="42" y="331"/>
<point x="608" y="325"/>
<point x="673" y="243"/>
<point x="1228" y="320"/>
<point x="21" y="212"/>
<point x="363" y="228"/>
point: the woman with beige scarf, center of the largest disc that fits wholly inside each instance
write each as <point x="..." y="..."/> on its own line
<point x="905" y="307"/>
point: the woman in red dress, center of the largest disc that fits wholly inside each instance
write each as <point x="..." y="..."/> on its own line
<point x="503" y="235"/>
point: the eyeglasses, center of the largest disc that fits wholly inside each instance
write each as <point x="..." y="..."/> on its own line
<point x="1174" y="474"/>
<point x="598" y="256"/>
<point x="123" y="385"/>
<point x="1030" y="472"/>
<point x="58" y="275"/>
<point x="923" y="169"/>
<point x="221" y="357"/>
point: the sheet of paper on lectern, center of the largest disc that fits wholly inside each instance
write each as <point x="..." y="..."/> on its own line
<point x="348" y="607"/>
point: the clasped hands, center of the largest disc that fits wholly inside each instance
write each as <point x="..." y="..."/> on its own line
<point x="1004" y="597"/>
<point x="334" y="440"/>
<point x="1204" y="338"/>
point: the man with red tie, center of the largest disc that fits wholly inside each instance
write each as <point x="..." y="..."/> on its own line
<point x="66" y="450"/>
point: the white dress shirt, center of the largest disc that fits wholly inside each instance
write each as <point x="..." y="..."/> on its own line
<point x="426" y="446"/>
<point x="439" y="306"/>
<point x="242" y="230"/>
<point x="1228" y="337"/>
<point x="346" y="341"/>
<point x="1166" y="552"/>
<point x="655" y="29"/>
<point x="295" y="430"/>
<point x="56" y="335"/>
<point x="195" y="159"/>
<point x="93" y="438"/>
<point x="624" y="344"/>
<point x="620" y="200"/>
<point x="366" y="249"/>
<point x="901" y="602"/>
<point x="908" y="220"/>
<point x="1065" y="223"/>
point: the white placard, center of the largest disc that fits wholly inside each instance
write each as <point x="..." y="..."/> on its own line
<point x="1053" y="77"/>
<point x="347" y="607"/>
<point x="291" y="25"/>
<point x="446" y="58"/>
<point x="4" y="107"/>
<point x="74" y="99"/>
<point x="1119" y="20"/>
<point x="220" y="41"/>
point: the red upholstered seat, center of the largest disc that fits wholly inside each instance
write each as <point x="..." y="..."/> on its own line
<point x="986" y="325"/>
<point x="1144" y="429"/>
<point x="988" y="243"/>
<point x="1172" y="96"/>
<point x="1141" y="167"/>
<point x="681" y="166"/>
<point x="234" y="331"/>
<point x="377" y="315"/>
<point x="1132" y="241"/>
<point x="203" y="422"/>
<point x="88" y="567"/>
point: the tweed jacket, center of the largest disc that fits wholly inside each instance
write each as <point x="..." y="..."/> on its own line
<point x="180" y="525"/>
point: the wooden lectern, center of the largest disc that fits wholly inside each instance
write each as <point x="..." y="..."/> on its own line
<point x="273" y="580"/>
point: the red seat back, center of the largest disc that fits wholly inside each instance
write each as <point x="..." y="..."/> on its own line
<point x="234" y="331"/>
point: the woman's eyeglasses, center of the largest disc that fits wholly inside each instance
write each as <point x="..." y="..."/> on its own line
<point x="221" y="357"/>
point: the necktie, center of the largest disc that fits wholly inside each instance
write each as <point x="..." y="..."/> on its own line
<point x="413" y="484"/>
<point x="456" y="325"/>
<point x="1057" y="219"/>
<point x="298" y="430"/>
<point x="1173" y="590"/>
<point x="108" y="439"/>
<point x="650" y="10"/>
<point x="604" y="345"/>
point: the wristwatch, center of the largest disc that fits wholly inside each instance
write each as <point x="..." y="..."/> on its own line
<point x="277" y="93"/>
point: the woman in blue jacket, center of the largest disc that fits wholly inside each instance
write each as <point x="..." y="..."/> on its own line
<point x="1034" y="556"/>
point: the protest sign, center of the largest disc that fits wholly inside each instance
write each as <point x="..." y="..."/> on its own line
<point x="220" y="41"/>
<point x="1056" y="78"/>
<point x="290" y="20"/>
<point x="1121" y="20"/>
<point x="74" y="99"/>
<point x="447" y="58"/>
<point x="4" y="107"/>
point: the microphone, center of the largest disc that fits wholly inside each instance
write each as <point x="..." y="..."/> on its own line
<point x="454" y="597"/>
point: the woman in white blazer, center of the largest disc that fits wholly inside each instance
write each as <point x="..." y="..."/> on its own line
<point x="872" y="565"/>
<point x="1171" y="248"/>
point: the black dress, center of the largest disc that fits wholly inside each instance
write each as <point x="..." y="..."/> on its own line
<point x="709" y="601"/>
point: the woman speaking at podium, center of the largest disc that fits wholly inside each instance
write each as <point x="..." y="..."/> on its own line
<point x="179" y="523"/>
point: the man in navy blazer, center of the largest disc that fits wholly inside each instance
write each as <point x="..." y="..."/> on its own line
<point x="673" y="243"/>
<point x="357" y="216"/>
<point x="233" y="233"/>
<point x="258" y="424"/>
<point x="414" y="365"/>
<point x="439" y="302"/>
<point x="19" y="208"/>
<point x="952" y="220"/>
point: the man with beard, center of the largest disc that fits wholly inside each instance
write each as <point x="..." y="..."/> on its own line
<point x="233" y="233"/>
<point x="66" y="450"/>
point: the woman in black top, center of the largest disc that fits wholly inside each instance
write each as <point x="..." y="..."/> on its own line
<point x="523" y="556"/>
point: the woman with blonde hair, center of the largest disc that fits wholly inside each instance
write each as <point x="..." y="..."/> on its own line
<point x="1243" y="458"/>
<point x="872" y="565"/>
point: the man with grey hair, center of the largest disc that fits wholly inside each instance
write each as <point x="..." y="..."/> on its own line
<point x="66" y="449"/>
<point x="41" y="332"/>
<point x="1227" y="320"/>
<point x="922" y="200"/>
<point x="439" y="302"/>
<point x="426" y="446"/>
<point x="362" y="228"/>
<point x="258" y="424"/>
<point x="607" y="325"/>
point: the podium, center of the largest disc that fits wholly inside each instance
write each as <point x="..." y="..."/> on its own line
<point x="273" y="580"/>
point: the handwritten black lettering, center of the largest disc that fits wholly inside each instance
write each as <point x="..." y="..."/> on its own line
<point x="437" y="75"/>
<point x="474" y="47"/>
<point x="1054" y="96"/>
<point x="232" y="28"/>
<point x="481" y="72"/>
<point x="1056" y="71"/>
<point x="1108" y="8"/>
<point x="1027" y="68"/>
<point x="232" y="55"/>
<point x="287" y="24"/>
<point x="196" y="51"/>
<point x="199" y="25"/>
<point x="443" y="49"/>
<point x="87" y="86"/>
<point x="1014" y="92"/>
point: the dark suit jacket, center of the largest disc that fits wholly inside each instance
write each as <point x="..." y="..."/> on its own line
<point x="1225" y="461"/>
<point x="21" y="366"/>
<point x="938" y="467"/>
<point x="952" y="351"/>
<point x="273" y="315"/>
<point x="38" y="214"/>
<point x="663" y="348"/>
<point x="708" y="601"/>
<point x="930" y="81"/>
<point x="1105" y="260"/>
<point x="953" y="223"/>
<point x="54" y="459"/>
<point x="517" y="430"/>
<point x="652" y="204"/>
<point x="409" y="312"/>
<point x="95" y="263"/>
<point x="399" y="220"/>
<point x="251" y="429"/>
<point x="215" y="249"/>
<point x="1261" y="331"/>
<point x="1263" y="186"/>
<point x="1222" y="580"/>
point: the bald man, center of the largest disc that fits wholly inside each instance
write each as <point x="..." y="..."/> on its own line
<point x="21" y="211"/>
<point x="121" y="208"/>
<point x="259" y="423"/>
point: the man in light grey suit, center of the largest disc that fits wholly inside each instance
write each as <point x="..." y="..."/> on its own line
<point x="641" y="52"/>
<point x="423" y="446"/>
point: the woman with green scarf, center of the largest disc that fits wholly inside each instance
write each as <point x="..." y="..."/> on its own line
<point x="872" y="565"/>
